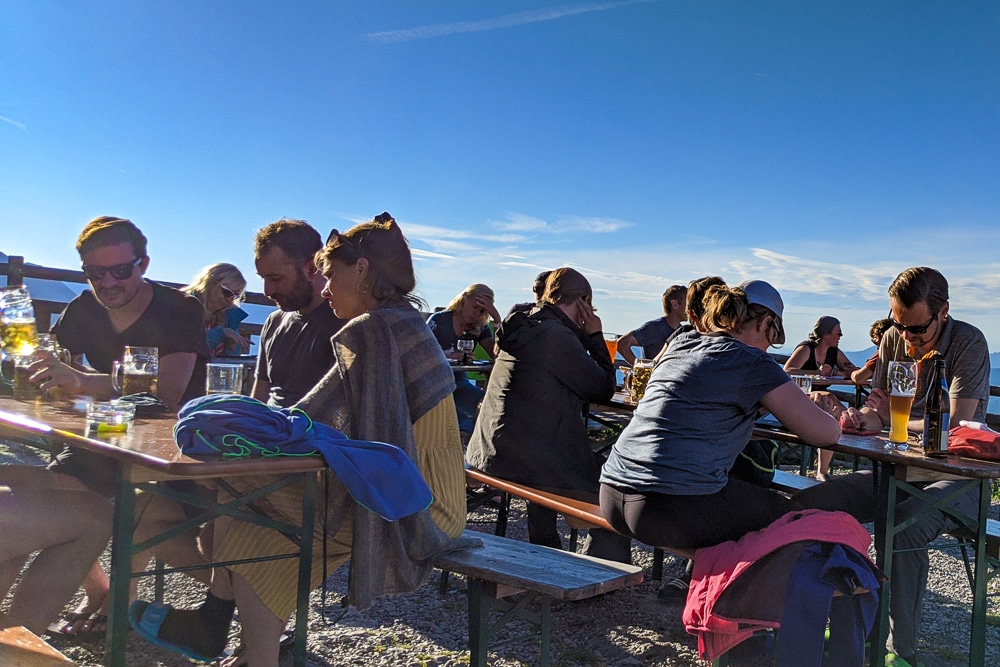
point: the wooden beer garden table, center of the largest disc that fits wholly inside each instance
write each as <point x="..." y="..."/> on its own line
<point x="890" y="475"/>
<point x="146" y="455"/>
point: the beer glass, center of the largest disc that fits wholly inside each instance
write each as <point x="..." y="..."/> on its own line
<point x="637" y="378"/>
<point x="18" y="332"/>
<point x="611" y="340"/>
<point x="902" y="381"/>
<point x="223" y="378"/>
<point x="136" y="372"/>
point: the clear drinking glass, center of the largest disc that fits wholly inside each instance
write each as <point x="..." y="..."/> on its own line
<point x="902" y="381"/>
<point x="466" y="346"/>
<point x="223" y="378"/>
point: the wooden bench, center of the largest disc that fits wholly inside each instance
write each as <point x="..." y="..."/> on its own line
<point x="503" y="567"/>
<point x="579" y="514"/>
<point x="790" y="482"/>
<point x="20" y="647"/>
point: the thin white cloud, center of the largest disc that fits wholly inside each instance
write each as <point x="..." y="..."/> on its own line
<point x="20" y="126"/>
<point x="505" y="21"/>
<point x="592" y="225"/>
<point x="516" y="222"/>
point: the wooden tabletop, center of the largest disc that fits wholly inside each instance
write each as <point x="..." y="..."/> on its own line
<point x="873" y="447"/>
<point x="149" y="446"/>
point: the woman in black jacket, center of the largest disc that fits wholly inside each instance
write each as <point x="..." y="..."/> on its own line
<point x="531" y="429"/>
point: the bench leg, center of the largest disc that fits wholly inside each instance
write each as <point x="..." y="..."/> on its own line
<point x="545" y="629"/>
<point x="479" y="624"/>
<point x="657" y="573"/>
<point x="482" y="601"/>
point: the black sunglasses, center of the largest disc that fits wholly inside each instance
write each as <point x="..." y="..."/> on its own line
<point x="381" y="218"/>
<point x="915" y="329"/>
<point x="118" y="271"/>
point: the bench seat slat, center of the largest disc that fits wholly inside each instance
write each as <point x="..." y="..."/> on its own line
<point x="557" y="574"/>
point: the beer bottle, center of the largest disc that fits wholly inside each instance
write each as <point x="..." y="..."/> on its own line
<point x="937" y="409"/>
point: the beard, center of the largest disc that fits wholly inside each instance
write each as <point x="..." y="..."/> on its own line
<point x="298" y="297"/>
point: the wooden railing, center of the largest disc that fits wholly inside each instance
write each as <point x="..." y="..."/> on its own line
<point x="16" y="271"/>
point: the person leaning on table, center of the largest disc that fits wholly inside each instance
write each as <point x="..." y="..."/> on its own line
<point x="666" y="481"/>
<point x="918" y="299"/>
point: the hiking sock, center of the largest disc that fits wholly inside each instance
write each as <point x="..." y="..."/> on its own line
<point x="204" y="629"/>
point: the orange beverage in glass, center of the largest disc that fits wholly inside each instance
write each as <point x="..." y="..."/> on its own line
<point x="611" y="340"/>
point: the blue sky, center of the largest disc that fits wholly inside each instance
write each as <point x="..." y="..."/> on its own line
<point x="822" y="146"/>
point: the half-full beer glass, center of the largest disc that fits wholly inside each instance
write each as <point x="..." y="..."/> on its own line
<point x="902" y="384"/>
<point x="637" y="378"/>
<point x="136" y="372"/>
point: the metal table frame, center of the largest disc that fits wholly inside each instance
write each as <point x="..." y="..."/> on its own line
<point x="135" y="471"/>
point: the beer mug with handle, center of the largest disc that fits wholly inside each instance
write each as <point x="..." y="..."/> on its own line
<point x="18" y="331"/>
<point x="636" y="379"/>
<point x="136" y="372"/>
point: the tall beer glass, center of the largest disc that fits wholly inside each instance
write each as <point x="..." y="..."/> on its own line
<point x="611" y="340"/>
<point x="18" y="332"/>
<point x="902" y="381"/>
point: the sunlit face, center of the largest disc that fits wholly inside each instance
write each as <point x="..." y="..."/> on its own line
<point x="472" y="311"/>
<point x="221" y="296"/>
<point x="918" y="316"/>
<point x="344" y="289"/>
<point x="110" y="291"/>
<point x="833" y="338"/>
<point x="285" y="282"/>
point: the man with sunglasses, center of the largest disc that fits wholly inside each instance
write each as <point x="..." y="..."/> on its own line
<point x="123" y="308"/>
<point x="295" y="348"/>
<point x="920" y="325"/>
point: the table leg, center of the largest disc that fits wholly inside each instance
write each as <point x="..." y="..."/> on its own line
<point x="885" y="520"/>
<point x="121" y="570"/>
<point x="977" y="640"/>
<point x="305" y="569"/>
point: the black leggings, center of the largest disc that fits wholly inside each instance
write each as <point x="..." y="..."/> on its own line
<point x="692" y="522"/>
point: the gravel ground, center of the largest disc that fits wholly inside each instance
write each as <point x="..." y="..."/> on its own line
<point x="627" y="627"/>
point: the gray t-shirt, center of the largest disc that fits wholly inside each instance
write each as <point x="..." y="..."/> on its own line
<point x="652" y="335"/>
<point x="696" y="417"/>
<point x="968" y="365"/>
<point x="296" y="352"/>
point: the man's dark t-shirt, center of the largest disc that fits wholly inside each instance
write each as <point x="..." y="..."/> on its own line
<point x="296" y="352"/>
<point x="172" y="322"/>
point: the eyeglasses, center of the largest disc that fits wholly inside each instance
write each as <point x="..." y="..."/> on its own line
<point x="124" y="271"/>
<point x="230" y="294"/>
<point x="915" y="329"/>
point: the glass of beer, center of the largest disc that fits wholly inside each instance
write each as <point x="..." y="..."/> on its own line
<point x="902" y="381"/>
<point x="18" y="331"/>
<point x="611" y="340"/>
<point x="136" y="372"/>
<point x="637" y="378"/>
<point x="223" y="378"/>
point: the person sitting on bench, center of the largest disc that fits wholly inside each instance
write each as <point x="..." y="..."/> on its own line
<point x="530" y="430"/>
<point x="666" y="482"/>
